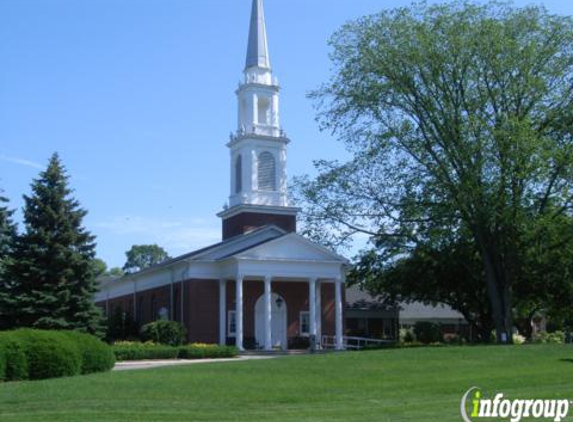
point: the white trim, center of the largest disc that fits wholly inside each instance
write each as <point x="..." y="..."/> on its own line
<point x="301" y="332"/>
<point x="259" y="209"/>
<point x="231" y="316"/>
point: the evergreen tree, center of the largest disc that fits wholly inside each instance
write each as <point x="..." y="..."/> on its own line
<point x="52" y="266"/>
<point x="7" y="236"/>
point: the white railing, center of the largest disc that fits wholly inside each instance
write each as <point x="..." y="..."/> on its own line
<point x="353" y="343"/>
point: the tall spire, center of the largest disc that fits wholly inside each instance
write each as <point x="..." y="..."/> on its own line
<point x="258" y="51"/>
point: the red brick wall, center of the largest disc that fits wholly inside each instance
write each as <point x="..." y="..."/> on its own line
<point x="201" y="306"/>
<point x="202" y="311"/>
<point x="246" y="221"/>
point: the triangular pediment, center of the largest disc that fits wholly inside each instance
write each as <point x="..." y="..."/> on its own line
<point x="291" y="247"/>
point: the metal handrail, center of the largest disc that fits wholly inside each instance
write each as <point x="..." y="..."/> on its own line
<point x="352" y="343"/>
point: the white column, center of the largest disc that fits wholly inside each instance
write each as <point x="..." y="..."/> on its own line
<point x="338" y="313"/>
<point x="239" y="313"/>
<point x="318" y="314"/>
<point x="312" y="306"/>
<point x="222" y="312"/>
<point x="268" y="315"/>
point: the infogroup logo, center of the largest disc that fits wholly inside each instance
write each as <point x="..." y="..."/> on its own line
<point x="479" y="407"/>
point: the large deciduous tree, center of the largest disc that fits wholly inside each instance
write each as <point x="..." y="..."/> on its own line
<point x="51" y="269"/>
<point x="140" y="257"/>
<point x="459" y="119"/>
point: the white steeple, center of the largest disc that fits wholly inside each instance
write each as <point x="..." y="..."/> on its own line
<point x="258" y="148"/>
<point x="258" y="50"/>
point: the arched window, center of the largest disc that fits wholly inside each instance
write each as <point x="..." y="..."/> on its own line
<point x="239" y="174"/>
<point x="267" y="172"/>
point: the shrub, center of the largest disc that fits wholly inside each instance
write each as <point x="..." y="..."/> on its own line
<point x="518" y="339"/>
<point x="16" y="365"/>
<point x="126" y="350"/>
<point x="427" y="332"/>
<point x="407" y="335"/>
<point x="49" y="354"/>
<point x="2" y="363"/>
<point x="207" y="351"/>
<point x="96" y="355"/>
<point x="171" y="333"/>
<point x="558" y="337"/>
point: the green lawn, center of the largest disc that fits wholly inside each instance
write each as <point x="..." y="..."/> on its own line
<point x="422" y="385"/>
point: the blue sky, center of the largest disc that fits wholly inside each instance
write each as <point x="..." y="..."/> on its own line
<point x="137" y="96"/>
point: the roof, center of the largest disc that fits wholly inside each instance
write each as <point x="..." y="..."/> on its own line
<point x="257" y="49"/>
<point x="358" y="299"/>
<point x="221" y="250"/>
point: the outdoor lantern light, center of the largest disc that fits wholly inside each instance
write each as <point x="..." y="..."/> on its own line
<point x="280" y="302"/>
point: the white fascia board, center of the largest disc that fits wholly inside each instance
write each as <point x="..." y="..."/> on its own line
<point x="299" y="270"/>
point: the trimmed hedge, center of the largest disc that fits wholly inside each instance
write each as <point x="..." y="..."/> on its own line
<point x="50" y="354"/>
<point x="126" y="350"/>
<point x="2" y="363"/>
<point x="39" y="354"/>
<point x="207" y="351"/>
<point x="96" y="355"/>
<point x="16" y="364"/>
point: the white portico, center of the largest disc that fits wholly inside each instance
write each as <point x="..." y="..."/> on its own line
<point x="288" y="260"/>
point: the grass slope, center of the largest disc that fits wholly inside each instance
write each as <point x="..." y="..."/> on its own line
<point x="391" y="385"/>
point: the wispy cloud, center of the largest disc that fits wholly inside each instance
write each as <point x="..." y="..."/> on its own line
<point x="21" y="161"/>
<point x="177" y="236"/>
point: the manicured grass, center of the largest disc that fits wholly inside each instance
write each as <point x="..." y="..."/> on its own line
<point x="422" y="385"/>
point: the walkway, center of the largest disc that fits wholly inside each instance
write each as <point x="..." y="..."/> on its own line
<point x="148" y="364"/>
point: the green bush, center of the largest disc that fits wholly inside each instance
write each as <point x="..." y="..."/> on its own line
<point x="207" y="351"/>
<point x="16" y="365"/>
<point x="427" y="332"/>
<point x="2" y="363"/>
<point x="407" y="335"/>
<point x="49" y="354"/>
<point x="126" y="350"/>
<point x="96" y="355"/>
<point x="171" y="333"/>
<point x="558" y="337"/>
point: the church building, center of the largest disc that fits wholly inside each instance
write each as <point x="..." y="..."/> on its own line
<point x="263" y="286"/>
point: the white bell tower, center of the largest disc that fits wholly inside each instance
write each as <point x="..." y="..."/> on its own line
<point x="258" y="148"/>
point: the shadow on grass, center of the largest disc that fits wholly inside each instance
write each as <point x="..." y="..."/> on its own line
<point x="566" y="360"/>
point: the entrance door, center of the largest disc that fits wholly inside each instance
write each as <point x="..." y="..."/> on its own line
<point x="278" y="322"/>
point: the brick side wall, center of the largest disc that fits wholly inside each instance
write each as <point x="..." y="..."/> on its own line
<point x="244" y="222"/>
<point x="201" y="306"/>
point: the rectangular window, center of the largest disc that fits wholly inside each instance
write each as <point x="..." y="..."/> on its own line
<point x="232" y="324"/>
<point x="304" y="323"/>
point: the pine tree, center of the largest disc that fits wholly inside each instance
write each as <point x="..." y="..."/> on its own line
<point x="52" y="271"/>
<point x="7" y="237"/>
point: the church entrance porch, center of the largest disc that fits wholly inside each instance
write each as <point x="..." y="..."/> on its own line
<point x="279" y="314"/>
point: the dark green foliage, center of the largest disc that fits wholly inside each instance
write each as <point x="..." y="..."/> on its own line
<point x="140" y="257"/>
<point x="143" y="351"/>
<point x="7" y="238"/>
<point x="51" y="269"/>
<point x="2" y="363"/>
<point x="207" y="351"/>
<point x="148" y="351"/>
<point x="121" y="326"/>
<point x="97" y="356"/>
<point x="49" y="354"/>
<point x="427" y="332"/>
<point x="16" y="366"/>
<point x="171" y="333"/>
<point x="458" y="118"/>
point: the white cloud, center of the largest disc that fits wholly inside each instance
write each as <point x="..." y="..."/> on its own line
<point x="21" y="161"/>
<point x="177" y="236"/>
